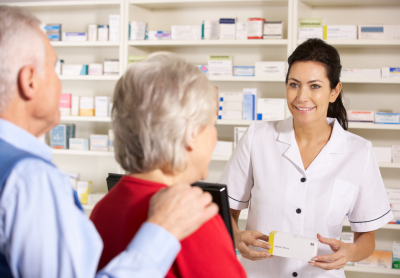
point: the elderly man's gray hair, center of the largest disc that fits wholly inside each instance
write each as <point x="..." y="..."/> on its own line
<point x="20" y="45"/>
<point x="159" y="104"/>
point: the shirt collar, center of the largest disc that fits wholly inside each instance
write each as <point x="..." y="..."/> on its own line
<point x="23" y="140"/>
<point x="337" y="143"/>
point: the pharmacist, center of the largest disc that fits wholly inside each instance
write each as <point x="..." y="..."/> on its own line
<point x="303" y="175"/>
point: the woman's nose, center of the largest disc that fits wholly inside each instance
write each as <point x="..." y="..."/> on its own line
<point x="303" y="94"/>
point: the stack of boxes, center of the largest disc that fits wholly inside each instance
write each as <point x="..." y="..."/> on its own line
<point x="99" y="106"/>
<point x="109" y="67"/>
<point x="366" y="116"/>
<point x="52" y="31"/>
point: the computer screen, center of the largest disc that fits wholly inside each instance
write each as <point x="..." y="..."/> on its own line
<point x="219" y="193"/>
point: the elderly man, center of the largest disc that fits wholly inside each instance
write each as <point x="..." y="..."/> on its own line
<point x="43" y="230"/>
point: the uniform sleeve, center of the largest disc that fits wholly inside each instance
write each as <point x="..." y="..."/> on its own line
<point x="371" y="209"/>
<point x="238" y="173"/>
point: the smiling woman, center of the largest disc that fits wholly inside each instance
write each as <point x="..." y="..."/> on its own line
<point x="303" y="175"/>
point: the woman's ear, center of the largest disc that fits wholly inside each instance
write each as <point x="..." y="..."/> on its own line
<point x="335" y="93"/>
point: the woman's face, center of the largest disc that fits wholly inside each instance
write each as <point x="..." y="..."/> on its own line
<point x="203" y="147"/>
<point x="308" y="92"/>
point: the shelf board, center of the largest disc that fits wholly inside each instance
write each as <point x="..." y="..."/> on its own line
<point x="219" y="158"/>
<point x="346" y="223"/>
<point x="84" y="44"/>
<point x="371" y="81"/>
<point x="379" y="270"/>
<point x="177" y="43"/>
<point x="353" y="125"/>
<point x="168" y="4"/>
<point x="341" y="3"/>
<point x="90" y="77"/>
<point x="246" y="78"/>
<point x="234" y="122"/>
<point x="64" y="3"/>
<point x="360" y="43"/>
<point x="85" y="119"/>
<point x="84" y="153"/>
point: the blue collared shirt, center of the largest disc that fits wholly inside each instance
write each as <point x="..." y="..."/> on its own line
<point x="44" y="234"/>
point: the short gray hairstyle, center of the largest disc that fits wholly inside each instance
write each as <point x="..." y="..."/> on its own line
<point x="20" y="45"/>
<point x="159" y="104"/>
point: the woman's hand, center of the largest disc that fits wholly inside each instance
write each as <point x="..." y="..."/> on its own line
<point x="343" y="253"/>
<point x="254" y="238"/>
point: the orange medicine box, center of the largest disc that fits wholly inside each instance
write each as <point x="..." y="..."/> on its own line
<point x="378" y="258"/>
<point x="361" y="116"/>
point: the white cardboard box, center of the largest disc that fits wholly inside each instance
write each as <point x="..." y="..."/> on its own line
<point x="230" y="97"/>
<point x="241" y="30"/>
<point x="92" y="32"/>
<point x="231" y="105"/>
<point x="271" y="109"/>
<point x="223" y="148"/>
<point x="95" y="69"/>
<point x="310" y="33"/>
<point x="361" y="116"/>
<point x="102" y="33"/>
<point x="391" y="72"/>
<point x="340" y="32"/>
<point x="227" y="28"/>
<point x="98" y="142"/>
<point x="396" y="153"/>
<point x="230" y="115"/>
<point x="383" y="154"/>
<point x="273" y="30"/>
<point x="101" y="106"/>
<point x="270" y="69"/>
<point x="75" y="106"/>
<point x="293" y="246"/>
<point x="255" y="28"/>
<point x="79" y="144"/>
<point x="387" y="118"/>
<point x="114" y="20"/>
<point x="111" y="66"/>
<point x="361" y="73"/>
<point x="186" y="32"/>
<point x="210" y="30"/>
<point x="220" y="65"/>
<point x="379" y="32"/>
<point x="137" y="30"/>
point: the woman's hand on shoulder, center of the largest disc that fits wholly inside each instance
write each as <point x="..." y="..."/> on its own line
<point x="254" y="238"/>
<point x="343" y="253"/>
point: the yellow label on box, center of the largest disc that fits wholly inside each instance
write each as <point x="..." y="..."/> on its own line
<point x="86" y="112"/>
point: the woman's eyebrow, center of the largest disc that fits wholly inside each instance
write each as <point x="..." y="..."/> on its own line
<point x="312" y="81"/>
<point x="295" y="80"/>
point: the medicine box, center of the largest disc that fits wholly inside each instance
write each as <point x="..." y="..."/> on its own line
<point x="210" y="30"/>
<point x="111" y="66"/>
<point x="379" y="32"/>
<point x="92" y="32"/>
<point x="203" y="68"/>
<point x="270" y="69"/>
<point x="231" y="105"/>
<point x="159" y="35"/>
<point x="86" y="106"/>
<point x="74" y="36"/>
<point x="396" y="255"/>
<point x="220" y="65"/>
<point x="227" y="28"/>
<point x="396" y="153"/>
<point x="387" y="118"/>
<point x="230" y="97"/>
<point x="311" y="28"/>
<point x="393" y="195"/>
<point x="98" y="142"/>
<point x="186" y="32"/>
<point x="255" y="28"/>
<point x="52" y="31"/>
<point x="243" y="71"/>
<point x="230" y="115"/>
<point x="249" y="103"/>
<point x="383" y="154"/>
<point x="101" y="106"/>
<point x="239" y="132"/>
<point x="347" y="237"/>
<point x="58" y="68"/>
<point x="59" y="136"/>
<point x="79" y="144"/>
<point x="241" y="30"/>
<point x="95" y="69"/>
<point x="83" y="189"/>
<point x="292" y="246"/>
<point x="271" y="109"/>
<point x="74" y="70"/>
<point x="391" y="72"/>
<point x="223" y="148"/>
<point x="110" y="140"/>
<point x="378" y="258"/>
<point x="136" y="58"/>
<point x="137" y="30"/>
<point x="65" y="104"/>
<point x="361" y="73"/>
<point x="360" y="116"/>
<point x="273" y="30"/>
<point x="75" y="106"/>
<point x="340" y="32"/>
<point x="114" y="20"/>
<point x="102" y="33"/>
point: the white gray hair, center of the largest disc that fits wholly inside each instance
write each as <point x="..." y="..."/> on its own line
<point x="20" y="45"/>
<point x="160" y="103"/>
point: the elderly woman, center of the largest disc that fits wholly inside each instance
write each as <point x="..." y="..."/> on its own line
<point x="163" y="119"/>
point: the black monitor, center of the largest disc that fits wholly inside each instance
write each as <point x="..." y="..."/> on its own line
<point x="219" y="193"/>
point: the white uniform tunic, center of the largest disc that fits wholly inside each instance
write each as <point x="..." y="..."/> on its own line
<point x="266" y="174"/>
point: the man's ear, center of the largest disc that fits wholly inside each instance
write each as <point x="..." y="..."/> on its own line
<point x="28" y="82"/>
<point x="335" y="93"/>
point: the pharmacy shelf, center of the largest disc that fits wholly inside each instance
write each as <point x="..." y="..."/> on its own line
<point x="85" y="119"/>
<point x="366" y="269"/>
<point x="360" y="43"/>
<point x="246" y="79"/>
<point x="342" y="3"/>
<point x="168" y="4"/>
<point x="371" y="81"/>
<point x="178" y="43"/>
<point x="85" y="44"/>
<point x="233" y="122"/>
<point x="44" y="4"/>
<point x="220" y="158"/>
<point x="90" y="77"/>
<point x="83" y="153"/>
<point x="373" y="126"/>
<point x="346" y="223"/>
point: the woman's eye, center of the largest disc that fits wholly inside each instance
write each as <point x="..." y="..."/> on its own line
<point x="315" y="86"/>
<point x="293" y="85"/>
